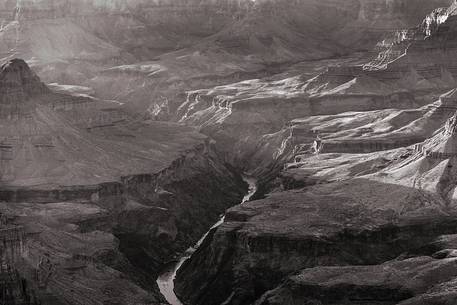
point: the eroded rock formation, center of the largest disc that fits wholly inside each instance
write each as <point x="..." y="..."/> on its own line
<point x="142" y="191"/>
<point x="361" y="206"/>
<point x="125" y="193"/>
<point x="421" y="280"/>
<point x="377" y="210"/>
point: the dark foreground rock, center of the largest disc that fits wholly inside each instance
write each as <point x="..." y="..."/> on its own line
<point x="405" y="209"/>
<point x="357" y="222"/>
<point x="417" y="281"/>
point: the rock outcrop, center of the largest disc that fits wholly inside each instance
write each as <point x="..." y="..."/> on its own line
<point x="156" y="23"/>
<point x="365" y="210"/>
<point x="151" y="188"/>
<point x="17" y="78"/>
<point x="421" y="280"/>
<point x="75" y="42"/>
<point x="335" y="224"/>
<point x="114" y="175"/>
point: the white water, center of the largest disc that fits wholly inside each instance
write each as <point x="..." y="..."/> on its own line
<point x="166" y="279"/>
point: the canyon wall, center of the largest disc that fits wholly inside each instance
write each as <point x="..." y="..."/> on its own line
<point x="148" y="28"/>
<point x="263" y="242"/>
<point x="121" y="234"/>
<point x="56" y="156"/>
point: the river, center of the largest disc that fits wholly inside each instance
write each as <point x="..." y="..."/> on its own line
<point x="166" y="279"/>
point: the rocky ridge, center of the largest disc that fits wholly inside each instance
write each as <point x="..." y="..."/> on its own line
<point x="330" y="224"/>
<point x="80" y="173"/>
<point x="170" y="35"/>
<point x="276" y="250"/>
<point x="144" y="170"/>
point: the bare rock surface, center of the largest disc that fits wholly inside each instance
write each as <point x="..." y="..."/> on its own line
<point x="85" y="267"/>
<point x="75" y="42"/>
<point x="421" y="280"/>
<point x="52" y="139"/>
<point x="94" y="162"/>
<point x="384" y="206"/>
<point x="108" y="197"/>
<point x="334" y="224"/>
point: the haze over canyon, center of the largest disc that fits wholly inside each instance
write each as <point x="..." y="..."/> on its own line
<point x="228" y="152"/>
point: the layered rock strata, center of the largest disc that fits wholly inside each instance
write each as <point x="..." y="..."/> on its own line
<point x="151" y="189"/>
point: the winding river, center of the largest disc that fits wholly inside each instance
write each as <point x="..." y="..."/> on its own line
<point x="166" y="279"/>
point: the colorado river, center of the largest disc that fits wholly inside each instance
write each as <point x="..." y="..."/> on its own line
<point x="166" y="279"/>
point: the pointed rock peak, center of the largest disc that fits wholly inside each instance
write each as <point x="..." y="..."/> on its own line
<point x="16" y="76"/>
<point x="18" y="67"/>
<point x="15" y="63"/>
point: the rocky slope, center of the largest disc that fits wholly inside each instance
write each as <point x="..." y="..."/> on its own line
<point x="78" y="171"/>
<point x="74" y="42"/>
<point x="264" y="106"/>
<point x="141" y="191"/>
<point x="398" y="81"/>
<point x="372" y="201"/>
<point x="421" y="280"/>
<point x="398" y="209"/>
<point x="141" y="25"/>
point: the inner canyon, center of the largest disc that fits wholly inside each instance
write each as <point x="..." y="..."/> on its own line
<point x="228" y="152"/>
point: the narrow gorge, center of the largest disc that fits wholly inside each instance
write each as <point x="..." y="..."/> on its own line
<point x="167" y="278"/>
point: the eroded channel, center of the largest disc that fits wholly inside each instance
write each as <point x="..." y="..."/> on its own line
<point x="166" y="280"/>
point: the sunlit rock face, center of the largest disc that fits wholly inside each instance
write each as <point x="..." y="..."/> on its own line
<point x="197" y="44"/>
<point x="392" y="208"/>
<point x="147" y="183"/>
<point x="423" y="56"/>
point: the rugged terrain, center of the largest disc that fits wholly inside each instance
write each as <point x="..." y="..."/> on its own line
<point x="97" y="189"/>
<point x="133" y="140"/>
<point x="365" y="221"/>
<point x="150" y="53"/>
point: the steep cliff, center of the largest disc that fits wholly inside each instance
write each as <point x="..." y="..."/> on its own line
<point x="152" y="188"/>
<point x="120" y="236"/>
<point x="421" y="280"/>
<point x="75" y="166"/>
<point x="71" y="41"/>
<point x="420" y="57"/>
<point x="335" y="224"/>
<point x="360" y="210"/>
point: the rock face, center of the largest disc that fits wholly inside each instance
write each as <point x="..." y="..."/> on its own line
<point x="141" y="28"/>
<point x="151" y="55"/>
<point x="422" y="56"/>
<point x="155" y="22"/>
<point x="358" y="215"/>
<point x="88" y="170"/>
<point x="421" y="280"/>
<point x="263" y="242"/>
<point x="17" y="78"/>
<point x="72" y="41"/>
<point x="251" y="111"/>
<point x="151" y="189"/>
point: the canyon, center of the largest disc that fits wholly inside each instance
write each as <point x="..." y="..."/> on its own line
<point x="95" y="189"/>
<point x="128" y="129"/>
